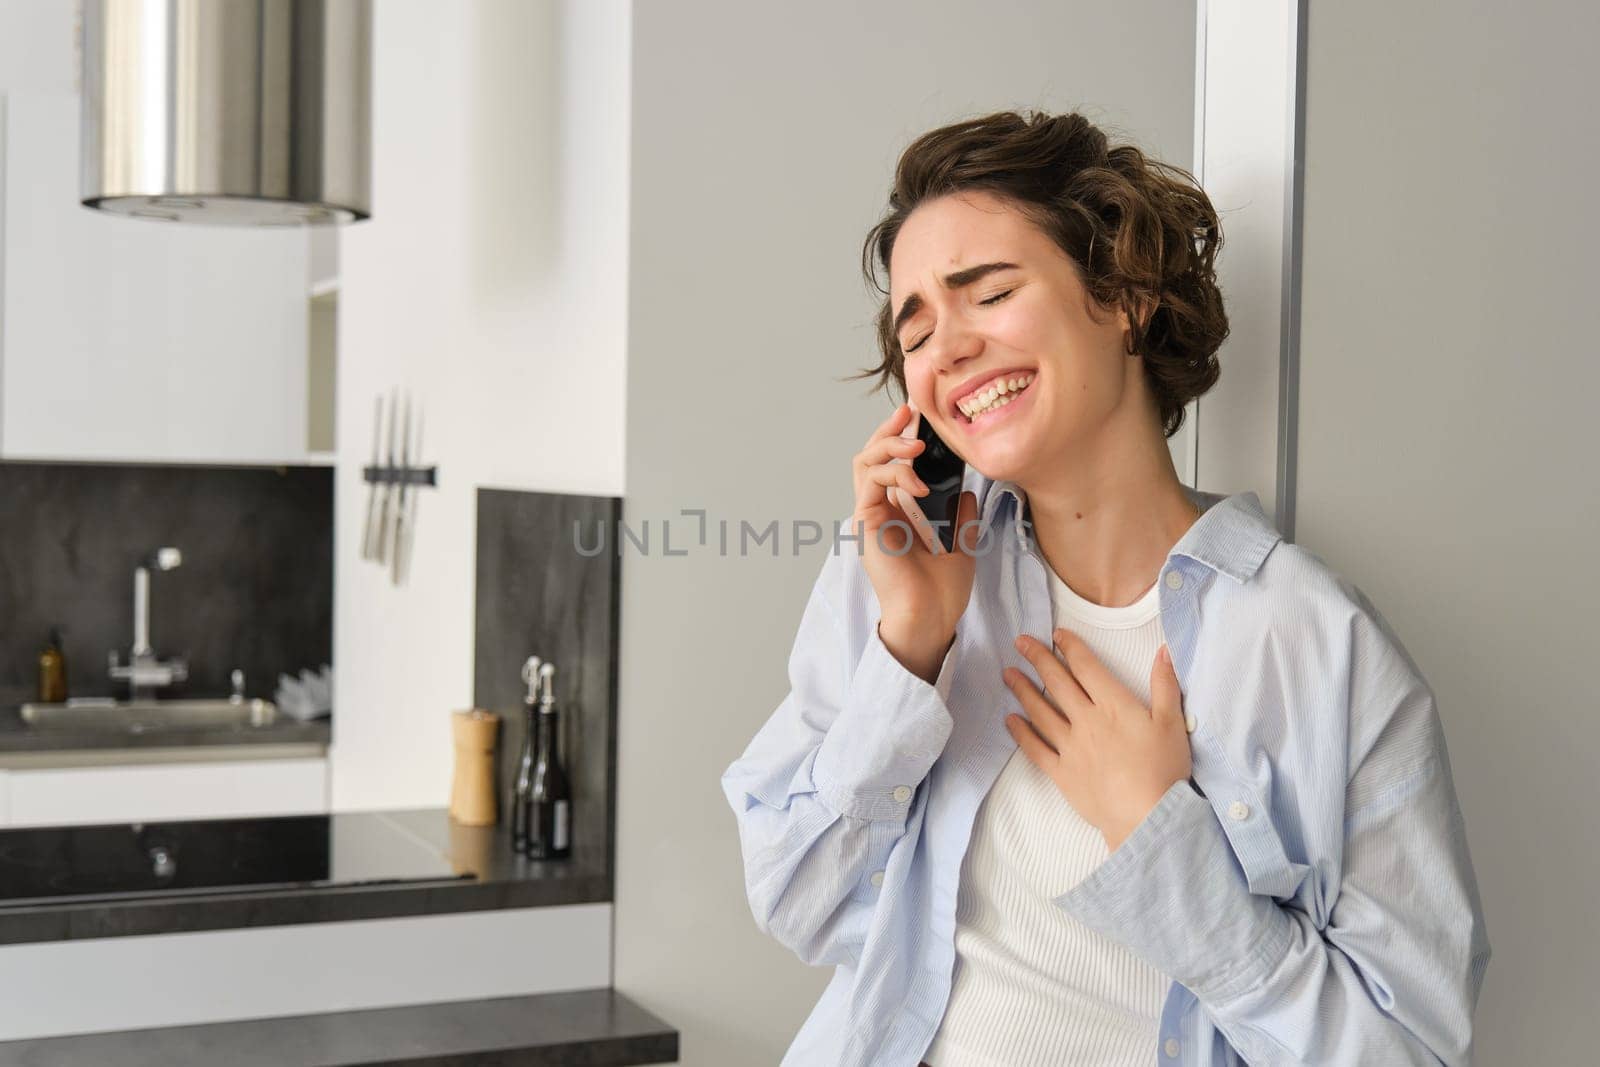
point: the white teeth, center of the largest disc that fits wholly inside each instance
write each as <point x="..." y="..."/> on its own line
<point x="996" y="395"/>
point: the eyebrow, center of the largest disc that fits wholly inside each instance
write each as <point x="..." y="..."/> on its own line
<point x="966" y="276"/>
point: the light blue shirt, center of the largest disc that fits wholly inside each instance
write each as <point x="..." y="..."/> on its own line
<point x="1308" y="890"/>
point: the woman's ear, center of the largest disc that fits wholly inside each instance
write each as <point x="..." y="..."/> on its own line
<point x="1145" y="308"/>
<point x="1127" y="329"/>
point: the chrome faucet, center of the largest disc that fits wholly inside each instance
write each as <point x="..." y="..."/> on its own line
<point x="145" y="673"/>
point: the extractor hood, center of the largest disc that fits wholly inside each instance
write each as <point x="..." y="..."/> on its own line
<point x="228" y="112"/>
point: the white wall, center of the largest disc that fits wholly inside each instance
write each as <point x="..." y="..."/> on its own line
<point x="39" y="48"/>
<point x="1448" y="383"/>
<point x="1246" y="108"/>
<point x="491" y="282"/>
<point x="763" y="145"/>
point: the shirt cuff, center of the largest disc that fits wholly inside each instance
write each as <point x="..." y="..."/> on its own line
<point x="1174" y="894"/>
<point x="886" y="737"/>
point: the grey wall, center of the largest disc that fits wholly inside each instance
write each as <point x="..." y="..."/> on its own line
<point x="255" y="590"/>
<point x="1448" y="380"/>
<point x="763" y="143"/>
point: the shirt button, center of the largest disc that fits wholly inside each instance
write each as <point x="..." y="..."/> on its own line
<point x="1188" y="723"/>
<point x="877" y="878"/>
<point x="1174" y="580"/>
<point x="1238" y="811"/>
<point x="902" y="793"/>
<point x="1172" y="1047"/>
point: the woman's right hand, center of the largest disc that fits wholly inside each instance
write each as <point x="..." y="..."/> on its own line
<point x="921" y="594"/>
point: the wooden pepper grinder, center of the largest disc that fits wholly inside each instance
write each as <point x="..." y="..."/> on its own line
<point x="472" y="800"/>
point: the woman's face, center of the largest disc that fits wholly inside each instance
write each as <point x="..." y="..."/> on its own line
<point x="1025" y="324"/>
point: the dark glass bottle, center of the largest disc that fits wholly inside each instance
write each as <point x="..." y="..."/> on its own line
<point x="53" y="671"/>
<point x="522" y="797"/>
<point x="550" y="809"/>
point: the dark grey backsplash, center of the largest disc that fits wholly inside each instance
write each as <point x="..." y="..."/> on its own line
<point x="255" y="590"/>
<point x="537" y="594"/>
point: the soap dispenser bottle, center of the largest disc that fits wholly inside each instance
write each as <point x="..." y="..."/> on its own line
<point x="522" y="795"/>
<point x="53" y="671"/>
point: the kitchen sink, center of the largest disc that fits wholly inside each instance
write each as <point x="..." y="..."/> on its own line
<point x="138" y="716"/>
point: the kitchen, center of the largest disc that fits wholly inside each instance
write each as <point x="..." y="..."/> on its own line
<point x="288" y="507"/>
<point x="262" y="556"/>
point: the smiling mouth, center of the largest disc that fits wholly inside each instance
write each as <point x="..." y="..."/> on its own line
<point x="997" y="394"/>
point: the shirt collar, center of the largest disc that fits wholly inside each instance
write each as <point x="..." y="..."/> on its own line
<point x="1232" y="536"/>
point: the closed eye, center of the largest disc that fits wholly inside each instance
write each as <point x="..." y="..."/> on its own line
<point x="995" y="299"/>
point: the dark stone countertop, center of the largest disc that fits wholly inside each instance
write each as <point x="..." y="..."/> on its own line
<point x="19" y="736"/>
<point x="586" y="1028"/>
<point x="500" y="878"/>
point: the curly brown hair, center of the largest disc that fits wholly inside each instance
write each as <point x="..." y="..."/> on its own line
<point x="1142" y="235"/>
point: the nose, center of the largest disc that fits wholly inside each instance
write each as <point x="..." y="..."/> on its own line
<point x="952" y="344"/>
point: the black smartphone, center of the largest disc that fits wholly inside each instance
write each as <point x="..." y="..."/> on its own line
<point x="941" y="470"/>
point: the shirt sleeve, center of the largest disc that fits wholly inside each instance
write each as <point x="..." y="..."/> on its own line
<point x="1393" y="977"/>
<point x="829" y="785"/>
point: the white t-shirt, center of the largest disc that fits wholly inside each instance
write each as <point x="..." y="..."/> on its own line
<point x="1032" y="985"/>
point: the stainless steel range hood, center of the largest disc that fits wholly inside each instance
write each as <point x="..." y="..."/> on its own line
<point x="228" y="112"/>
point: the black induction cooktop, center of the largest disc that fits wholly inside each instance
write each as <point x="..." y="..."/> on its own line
<point x="56" y="863"/>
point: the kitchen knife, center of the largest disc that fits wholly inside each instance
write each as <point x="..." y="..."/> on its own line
<point x="404" y="561"/>
<point x="368" y="549"/>
<point x="405" y="491"/>
<point x="386" y="507"/>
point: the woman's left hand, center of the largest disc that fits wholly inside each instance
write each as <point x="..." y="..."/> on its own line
<point x="1111" y="757"/>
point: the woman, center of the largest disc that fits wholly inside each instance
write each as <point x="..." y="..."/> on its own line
<point x="1126" y="777"/>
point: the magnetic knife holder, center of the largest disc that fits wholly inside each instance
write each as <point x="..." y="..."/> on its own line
<point x="401" y="475"/>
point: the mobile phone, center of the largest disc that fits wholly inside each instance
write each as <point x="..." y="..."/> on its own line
<point x="941" y="470"/>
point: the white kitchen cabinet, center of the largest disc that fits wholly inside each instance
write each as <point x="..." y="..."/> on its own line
<point x="153" y="792"/>
<point x="139" y="340"/>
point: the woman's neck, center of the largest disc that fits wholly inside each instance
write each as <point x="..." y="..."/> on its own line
<point x="1106" y="529"/>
